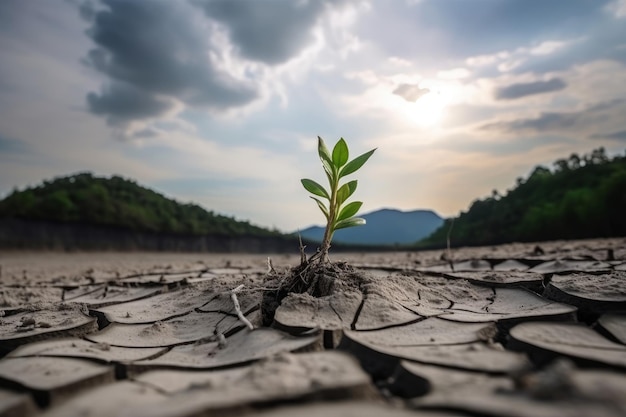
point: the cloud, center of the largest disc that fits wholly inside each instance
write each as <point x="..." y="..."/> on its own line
<point x="153" y="52"/>
<point x="620" y="136"/>
<point x="459" y="29"/>
<point x="520" y="90"/>
<point x="9" y="145"/>
<point x="410" y="92"/>
<point x="617" y="8"/>
<point x="569" y="34"/>
<point x="86" y="9"/>
<point x="161" y="57"/>
<point x="454" y="74"/>
<point x="123" y="102"/>
<point x="267" y="31"/>
<point x="551" y="121"/>
<point x="547" y="47"/>
<point x="546" y="121"/>
<point x="515" y="58"/>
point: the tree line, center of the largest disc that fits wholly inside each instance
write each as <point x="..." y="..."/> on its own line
<point x="118" y="202"/>
<point x="579" y="197"/>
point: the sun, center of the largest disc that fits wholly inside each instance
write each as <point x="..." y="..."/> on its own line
<point x="430" y="108"/>
<point x="428" y="111"/>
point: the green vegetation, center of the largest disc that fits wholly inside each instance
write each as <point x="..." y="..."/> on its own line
<point x="336" y="166"/>
<point x="581" y="197"/>
<point x="118" y="202"/>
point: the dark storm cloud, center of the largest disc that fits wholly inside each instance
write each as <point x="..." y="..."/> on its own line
<point x="151" y="49"/>
<point x="554" y="121"/>
<point x="520" y="90"/>
<point x="619" y="136"/>
<point x="122" y="103"/>
<point x="267" y="31"/>
<point x="87" y="10"/>
<point x="410" y="92"/>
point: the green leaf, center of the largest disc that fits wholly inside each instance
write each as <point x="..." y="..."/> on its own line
<point x="354" y="221"/>
<point x="355" y="164"/>
<point x="340" y="153"/>
<point x="314" y="188"/>
<point x="345" y="192"/>
<point x="323" y="151"/>
<point x="330" y="172"/>
<point x="322" y="207"/>
<point x="327" y="161"/>
<point x="349" y="210"/>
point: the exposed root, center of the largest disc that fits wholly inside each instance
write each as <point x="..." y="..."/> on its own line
<point x="233" y="296"/>
<point x="313" y="276"/>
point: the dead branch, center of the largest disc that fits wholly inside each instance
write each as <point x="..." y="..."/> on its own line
<point x="303" y="260"/>
<point x="233" y="296"/>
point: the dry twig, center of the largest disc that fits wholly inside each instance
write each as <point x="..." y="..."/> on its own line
<point x="270" y="267"/>
<point x="302" y="254"/>
<point x="233" y="296"/>
<point x="449" y="251"/>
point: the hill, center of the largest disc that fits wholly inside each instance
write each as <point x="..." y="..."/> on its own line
<point x="579" y="198"/>
<point x="383" y="227"/>
<point x="118" y="203"/>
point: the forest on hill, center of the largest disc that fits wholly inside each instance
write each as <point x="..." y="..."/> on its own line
<point x="118" y="203"/>
<point x="579" y="197"/>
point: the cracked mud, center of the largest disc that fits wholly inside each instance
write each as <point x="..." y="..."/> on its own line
<point x="501" y="331"/>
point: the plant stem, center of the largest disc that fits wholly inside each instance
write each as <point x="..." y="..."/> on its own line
<point x="330" y="225"/>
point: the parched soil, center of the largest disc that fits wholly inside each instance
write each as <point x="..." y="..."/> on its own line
<point x="510" y="330"/>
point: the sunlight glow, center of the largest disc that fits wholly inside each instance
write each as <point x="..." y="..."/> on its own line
<point x="429" y="110"/>
<point x="409" y="99"/>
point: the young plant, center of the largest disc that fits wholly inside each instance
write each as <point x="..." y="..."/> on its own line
<point x="339" y="214"/>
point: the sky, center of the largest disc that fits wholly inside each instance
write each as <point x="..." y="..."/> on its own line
<point x="220" y="102"/>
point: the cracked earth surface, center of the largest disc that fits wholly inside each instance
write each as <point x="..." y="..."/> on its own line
<point x="511" y="330"/>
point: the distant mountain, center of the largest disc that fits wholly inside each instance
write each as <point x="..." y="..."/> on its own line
<point x="384" y="227"/>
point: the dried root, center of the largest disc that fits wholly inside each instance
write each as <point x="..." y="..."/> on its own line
<point x="312" y="276"/>
<point x="233" y="297"/>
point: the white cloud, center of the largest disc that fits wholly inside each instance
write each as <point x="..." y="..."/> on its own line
<point x="507" y="61"/>
<point x="510" y="65"/>
<point x="601" y="80"/>
<point x="400" y="62"/>
<point x="547" y="47"/>
<point x="617" y="8"/>
<point x="454" y="74"/>
<point x="484" y="60"/>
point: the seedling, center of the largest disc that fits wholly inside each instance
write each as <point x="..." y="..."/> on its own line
<point x="339" y="214"/>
